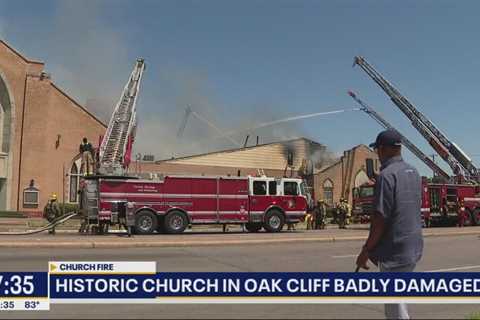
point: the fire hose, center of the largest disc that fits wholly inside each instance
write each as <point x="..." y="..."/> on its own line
<point x="52" y="224"/>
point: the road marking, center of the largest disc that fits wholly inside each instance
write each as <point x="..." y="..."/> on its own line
<point x="456" y="268"/>
<point x="345" y="256"/>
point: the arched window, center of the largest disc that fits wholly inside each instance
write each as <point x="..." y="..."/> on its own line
<point x="74" y="179"/>
<point x="6" y="121"/>
<point x="7" y="106"/>
<point x="328" y="191"/>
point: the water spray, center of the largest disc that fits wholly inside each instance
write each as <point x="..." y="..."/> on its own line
<point x="293" y="118"/>
<point x="222" y="134"/>
<point x="227" y="135"/>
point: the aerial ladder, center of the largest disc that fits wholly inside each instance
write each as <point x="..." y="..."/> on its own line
<point x="181" y="129"/>
<point x="116" y="146"/>
<point x="189" y="111"/>
<point x="461" y="165"/>
<point x="407" y="143"/>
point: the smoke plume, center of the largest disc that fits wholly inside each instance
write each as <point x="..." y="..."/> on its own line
<point x="88" y="59"/>
<point x="91" y="61"/>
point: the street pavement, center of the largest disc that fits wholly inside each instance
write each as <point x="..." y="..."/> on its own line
<point x="459" y="253"/>
<point x="205" y="236"/>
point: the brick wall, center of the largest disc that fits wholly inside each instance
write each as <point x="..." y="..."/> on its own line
<point x="48" y="114"/>
<point x="346" y="169"/>
<point x="53" y="129"/>
<point x="14" y="69"/>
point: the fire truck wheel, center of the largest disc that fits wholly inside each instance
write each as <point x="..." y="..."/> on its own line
<point x="253" y="227"/>
<point x="175" y="222"/>
<point x="145" y="222"/>
<point x="274" y="221"/>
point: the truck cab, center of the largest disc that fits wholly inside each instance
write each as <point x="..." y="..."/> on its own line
<point x="363" y="202"/>
<point x="284" y="198"/>
<point x="277" y="187"/>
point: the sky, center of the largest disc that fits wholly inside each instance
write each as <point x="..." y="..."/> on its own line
<point x="241" y="63"/>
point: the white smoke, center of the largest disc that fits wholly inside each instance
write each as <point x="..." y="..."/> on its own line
<point x="91" y="61"/>
<point x="88" y="59"/>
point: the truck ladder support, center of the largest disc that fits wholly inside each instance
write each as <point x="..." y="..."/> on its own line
<point x="407" y="143"/>
<point x="456" y="158"/>
<point x="120" y="133"/>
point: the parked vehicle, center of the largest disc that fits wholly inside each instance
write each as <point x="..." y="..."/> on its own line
<point x="173" y="203"/>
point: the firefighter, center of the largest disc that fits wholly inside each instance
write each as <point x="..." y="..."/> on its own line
<point x="342" y="214"/>
<point x="348" y="215"/>
<point x="320" y="213"/>
<point x="310" y="220"/>
<point x="86" y="150"/>
<point x="461" y="214"/>
<point x="51" y="211"/>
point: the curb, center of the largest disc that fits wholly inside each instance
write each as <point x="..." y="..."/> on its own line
<point x="450" y="234"/>
<point x="163" y="244"/>
<point x="133" y="243"/>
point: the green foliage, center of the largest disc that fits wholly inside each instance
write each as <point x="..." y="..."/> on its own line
<point x="68" y="207"/>
<point x="11" y="214"/>
<point x="474" y="316"/>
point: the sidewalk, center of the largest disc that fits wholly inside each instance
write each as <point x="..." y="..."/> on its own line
<point x="25" y="224"/>
<point x="202" y="236"/>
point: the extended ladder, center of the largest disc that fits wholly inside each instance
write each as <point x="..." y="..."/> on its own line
<point x="407" y="143"/>
<point x="456" y="158"/>
<point x="115" y="148"/>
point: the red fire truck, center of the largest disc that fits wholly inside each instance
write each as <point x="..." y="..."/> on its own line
<point x="441" y="203"/>
<point x="447" y="197"/>
<point x="362" y="202"/>
<point x="173" y="203"/>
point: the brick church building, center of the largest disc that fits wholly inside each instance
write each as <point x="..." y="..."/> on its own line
<point x="41" y="128"/>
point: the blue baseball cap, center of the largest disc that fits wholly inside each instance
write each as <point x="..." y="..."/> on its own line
<point x="388" y="137"/>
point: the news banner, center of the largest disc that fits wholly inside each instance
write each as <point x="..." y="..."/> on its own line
<point x="68" y="282"/>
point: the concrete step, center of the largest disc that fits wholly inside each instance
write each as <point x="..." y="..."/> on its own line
<point x="13" y="222"/>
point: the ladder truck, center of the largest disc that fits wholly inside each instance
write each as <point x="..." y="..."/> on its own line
<point x="407" y="143"/>
<point x="461" y="165"/>
<point x="114" y="152"/>
<point x="445" y="200"/>
<point x="116" y="147"/>
<point x="362" y="202"/>
<point x="171" y="203"/>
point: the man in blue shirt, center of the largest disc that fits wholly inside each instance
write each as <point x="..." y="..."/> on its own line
<point x="395" y="242"/>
